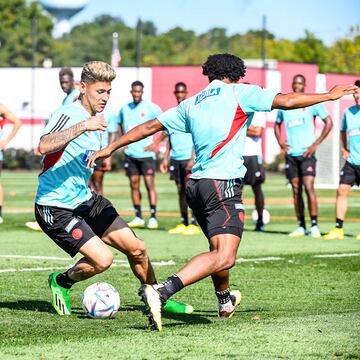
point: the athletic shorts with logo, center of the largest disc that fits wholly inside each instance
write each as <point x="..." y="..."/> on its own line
<point x="350" y="174"/>
<point x="299" y="166"/>
<point x="217" y="205"/>
<point x="255" y="171"/>
<point x="72" y="228"/>
<point x="178" y="171"/>
<point x="141" y="166"/>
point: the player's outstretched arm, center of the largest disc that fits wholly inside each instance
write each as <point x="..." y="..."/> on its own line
<point x="137" y="133"/>
<point x="8" y="115"/>
<point x="57" y="140"/>
<point x="300" y="100"/>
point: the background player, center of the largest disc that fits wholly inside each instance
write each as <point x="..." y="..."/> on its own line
<point x="350" y="173"/>
<point x="299" y="147"/>
<point x="217" y="118"/>
<point x="76" y="219"/>
<point x="255" y="173"/>
<point x="97" y="179"/>
<point x="66" y="78"/>
<point x="6" y="114"/>
<point x="139" y="161"/>
<point x="179" y="149"/>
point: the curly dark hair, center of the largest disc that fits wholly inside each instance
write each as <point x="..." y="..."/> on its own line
<point x="221" y="66"/>
<point x="357" y="83"/>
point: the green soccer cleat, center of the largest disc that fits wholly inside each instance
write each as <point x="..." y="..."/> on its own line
<point x="176" y="307"/>
<point x="60" y="296"/>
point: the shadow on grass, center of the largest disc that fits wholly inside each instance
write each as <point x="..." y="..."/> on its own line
<point x="28" y="305"/>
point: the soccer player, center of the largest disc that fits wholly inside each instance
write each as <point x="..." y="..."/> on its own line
<point x="6" y="114"/>
<point x="66" y="78"/>
<point x="179" y="149"/>
<point x="217" y="118"/>
<point x="299" y="147"/>
<point x="350" y="173"/>
<point x="139" y="161"/>
<point x="97" y="178"/>
<point x="255" y="173"/>
<point x="76" y="219"/>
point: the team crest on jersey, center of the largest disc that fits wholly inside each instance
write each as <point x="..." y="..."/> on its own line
<point x="205" y="94"/>
<point x="87" y="156"/>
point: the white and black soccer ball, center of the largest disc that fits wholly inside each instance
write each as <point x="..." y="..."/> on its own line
<point x="101" y="301"/>
<point x="266" y="216"/>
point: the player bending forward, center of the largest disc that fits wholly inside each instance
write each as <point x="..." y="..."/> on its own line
<point x="76" y="219"/>
<point x="218" y="118"/>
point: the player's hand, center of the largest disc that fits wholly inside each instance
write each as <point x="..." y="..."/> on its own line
<point x="189" y="166"/>
<point x="345" y="154"/>
<point x="164" y="166"/>
<point x="339" y="91"/>
<point x="107" y="164"/>
<point x="284" y="147"/>
<point x="310" y="150"/>
<point x="101" y="154"/>
<point x="96" y="123"/>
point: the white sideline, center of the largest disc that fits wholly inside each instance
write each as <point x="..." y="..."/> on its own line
<point x="271" y="258"/>
<point x="325" y="256"/>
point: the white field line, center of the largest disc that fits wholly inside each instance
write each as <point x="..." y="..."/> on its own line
<point x="271" y="258"/>
<point x="329" y="256"/>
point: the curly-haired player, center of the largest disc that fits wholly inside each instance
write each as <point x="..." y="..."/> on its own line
<point x="217" y="118"/>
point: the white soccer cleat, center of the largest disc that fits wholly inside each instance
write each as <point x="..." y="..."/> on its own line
<point x="299" y="232"/>
<point x="137" y="222"/>
<point x="152" y="300"/>
<point x="315" y="232"/>
<point x="152" y="224"/>
<point x="1" y="220"/>
<point x="33" y="225"/>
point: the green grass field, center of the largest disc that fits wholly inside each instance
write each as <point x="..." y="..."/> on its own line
<point x="295" y="306"/>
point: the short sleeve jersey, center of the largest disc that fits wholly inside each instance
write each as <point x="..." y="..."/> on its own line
<point x="217" y="118"/>
<point x="299" y="126"/>
<point x="63" y="181"/>
<point x="351" y="124"/>
<point x="132" y="115"/>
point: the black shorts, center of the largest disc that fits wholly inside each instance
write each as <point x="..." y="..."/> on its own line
<point x="72" y="228"/>
<point x="217" y="205"/>
<point x="299" y="166"/>
<point x="1" y="165"/>
<point x="350" y="174"/>
<point x="178" y="171"/>
<point x="255" y="173"/>
<point x="141" y="166"/>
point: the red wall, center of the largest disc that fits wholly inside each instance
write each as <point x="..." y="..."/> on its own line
<point x="289" y="70"/>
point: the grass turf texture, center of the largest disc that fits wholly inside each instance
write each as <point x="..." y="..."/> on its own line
<point x="298" y="307"/>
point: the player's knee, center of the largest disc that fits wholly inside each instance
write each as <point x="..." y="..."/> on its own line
<point x="226" y="260"/>
<point x="104" y="263"/>
<point x="342" y="191"/>
<point x="138" y="254"/>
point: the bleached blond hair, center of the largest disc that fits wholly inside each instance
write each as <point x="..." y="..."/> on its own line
<point x="97" y="71"/>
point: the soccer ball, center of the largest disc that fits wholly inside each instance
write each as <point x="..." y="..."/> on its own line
<point x="101" y="301"/>
<point x="266" y="217"/>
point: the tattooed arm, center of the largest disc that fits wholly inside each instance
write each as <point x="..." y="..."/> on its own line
<point x="55" y="141"/>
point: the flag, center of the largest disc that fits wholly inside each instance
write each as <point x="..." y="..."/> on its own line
<point x="115" y="55"/>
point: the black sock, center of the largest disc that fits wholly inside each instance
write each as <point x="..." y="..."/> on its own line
<point x="313" y="220"/>
<point x="137" y="209"/>
<point x="223" y="296"/>
<point x="153" y="211"/>
<point x="301" y="221"/>
<point x="170" y="286"/>
<point x="339" y="223"/>
<point x="0" y="210"/>
<point x="64" y="281"/>
<point x="184" y="219"/>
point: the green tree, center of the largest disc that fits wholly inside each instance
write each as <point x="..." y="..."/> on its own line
<point x="15" y="33"/>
